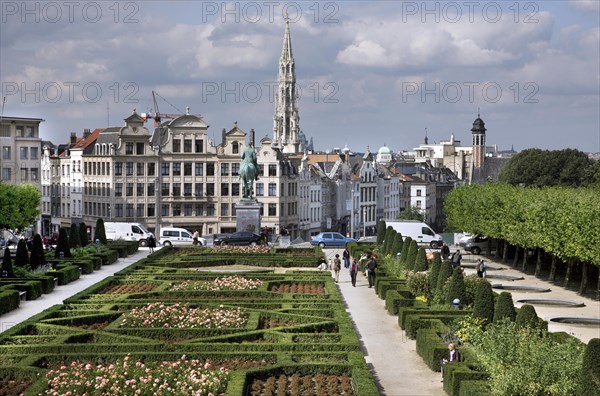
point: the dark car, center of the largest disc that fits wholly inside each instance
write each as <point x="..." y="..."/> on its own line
<point x="239" y="238"/>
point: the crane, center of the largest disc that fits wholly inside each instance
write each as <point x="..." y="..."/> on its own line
<point x="157" y="115"/>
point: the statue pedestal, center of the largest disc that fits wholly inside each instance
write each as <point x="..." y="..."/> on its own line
<point x="247" y="214"/>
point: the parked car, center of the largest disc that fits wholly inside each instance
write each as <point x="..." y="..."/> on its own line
<point x="238" y="238"/>
<point x="476" y="244"/>
<point x="330" y="239"/>
<point x="177" y="237"/>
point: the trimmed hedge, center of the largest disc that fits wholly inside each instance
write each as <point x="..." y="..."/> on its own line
<point x="9" y="300"/>
<point x="456" y="373"/>
<point x="65" y="273"/>
<point x="474" y="388"/>
<point x="431" y="347"/>
<point x="393" y="301"/>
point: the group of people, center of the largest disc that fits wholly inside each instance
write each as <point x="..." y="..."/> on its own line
<point x="368" y="259"/>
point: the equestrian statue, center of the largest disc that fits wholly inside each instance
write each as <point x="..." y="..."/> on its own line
<point x="248" y="171"/>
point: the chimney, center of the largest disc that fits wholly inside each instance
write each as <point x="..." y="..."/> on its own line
<point x="86" y="133"/>
<point x="73" y="138"/>
<point x="251" y="137"/>
<point x="223" y="132"/>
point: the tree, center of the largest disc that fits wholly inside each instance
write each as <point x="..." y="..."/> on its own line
<point x="7" y="267"/>
<point x="83" y="236"/>
<point x="421" y="260"/>
<point x="412" y="213"/>
<point x="434" y="271"/>
<point x="405" y="247"/>
<point x="100" y="232"/>
<point x="74" y="236"/>
<point x="18" y="205"/>
<point x="409" y="264"/>
<point x="527" y="317"/>
<point x="589" y="383"/>
<point x="483" y="306"/>
<point x="381" y="232"/>
<point x="445" y="273"/>
<point x="504" y="308"/>
<point x="397" y="244"/>
<point x="36" y="258"/>
<point x="63" y="244"/>
<point x="389" y="238"/>
<point x="457" y="287"/>
<point x="22" y="256"/>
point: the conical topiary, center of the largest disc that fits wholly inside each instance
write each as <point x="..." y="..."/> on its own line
<point x="589" y="382"/>
<point x="527" y="317"/>
<point x="100" y="232"/>
<point x="396" y="245"/>
<point x="483" y="307"/>
<point x="389" y="238"/>
<point x="457" y="287"/>
<point x="7" y="266"/>
<point x="83" y="236"/>
<point x="405" y="246"/>
<point x="36" y="258"/>
<point x="434" y="271"/>
<point x="22" y="256"/>
<point x="74" y="236"/>
<point x="381" y="231"/>
<point x="62" y="244"/>
<point x="445" y="273"/>
<point x="504" y="308"/>
<point x="409" y="264"/>
<point x="421" y="260"/>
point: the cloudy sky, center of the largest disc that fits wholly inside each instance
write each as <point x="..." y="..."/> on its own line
<point x="370" y="72"/>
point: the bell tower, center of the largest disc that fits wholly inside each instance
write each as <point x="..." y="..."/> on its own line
<point x="478" y="131"/>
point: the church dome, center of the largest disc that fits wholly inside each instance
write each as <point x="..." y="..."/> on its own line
<point x="384" y="150"/>
<point x="478" y="126"/>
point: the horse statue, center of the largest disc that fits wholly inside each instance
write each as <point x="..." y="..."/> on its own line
<point x="248" y="171"/>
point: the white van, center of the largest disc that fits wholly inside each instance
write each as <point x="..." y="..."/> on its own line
<point x="127" y="232"/>
<point x="177" y="236"/>
<point x="418" y="231"/>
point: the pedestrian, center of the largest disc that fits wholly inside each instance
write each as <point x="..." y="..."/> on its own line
<point x="480" y="268"/>
<point x="151" y="243"/>
<point x="456" y="257"/>
<point x="346" y="257"/>
<point x="322" y="264"/>
<point x="371" y="265"/>
<point x="445" y="252"/>
<point x="195" y="237"/>
<point x="453" y="357"/>
<point x="353" y="271"/>
<point x="337" y="266"/>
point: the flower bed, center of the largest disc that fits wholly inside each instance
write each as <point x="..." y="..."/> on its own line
<point x="303" y="385"/>
<point x="309" y="288"/>
<point x="126" y="377"/>
<point x="224" y="283"/>
<point x="129" y="288"/>
<point x="180" y="316"/>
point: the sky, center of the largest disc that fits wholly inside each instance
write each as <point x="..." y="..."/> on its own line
<point x="369" y="72"/>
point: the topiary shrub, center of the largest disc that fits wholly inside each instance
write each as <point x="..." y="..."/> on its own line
<point x="381" y="232"/>
<point x="421" y="260"/>
<point x="504" y="308"/>
<point x="589" y="382"/>
<point x="83" y="236"/>
<point x="36" y="258"/>
<point x="445" y="273"/>
<point x="22" y="256"/>
<point x="74" y="236"/>
<point x="434" y="271"/>
<point x="389" y="239"/>
<point x="483" y="307"/>
<point x="409" y="264"/>
<point x="457" y="287"/>
<point x="100" y="232"/>
<point x="63" y="244"/>
<point x="7" y="267"/>
<point x="396" y="245"/>
<point x="527" y="317"/>
<point x="405" y="247"/>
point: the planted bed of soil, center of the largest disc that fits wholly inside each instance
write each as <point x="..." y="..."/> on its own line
<point x="302" y="288"/>
<point x="303" y="385"/>
<point x="129" y="288"/>
<point x="10" y="386"/>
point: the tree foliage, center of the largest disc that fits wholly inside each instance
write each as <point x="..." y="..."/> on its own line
<point x="421" y="260"/>
<point x="100" y="232"/>
<point x="389" y="239"/>
<point x="445" y="273"/>
<point x="483" y="306"/>
<point x="74" y="236"/>
<point x="434" y="270"/>
<point x="527" y="317"/>
<point x="504" y="308"/>
<point x="381" y="232"/>
<point x="397" y="244"/>
<point x="412" y="213"/>
<point x="22" y="256"/>
<point x="457" y="287"/>
<point x="36" y="258"/>
<point x="405" y="247"/>
<point x="589" y="383"/>
<point x="18" y="205"/>
<point x="83" y="236"/>
<point x="539" y="168"/>
<point x="7" y="266"/>
<point x="411" y="257"/>
<point x="63" y="244"/>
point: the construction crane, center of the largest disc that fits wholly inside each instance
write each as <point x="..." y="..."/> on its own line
<point x="157" y="115"/>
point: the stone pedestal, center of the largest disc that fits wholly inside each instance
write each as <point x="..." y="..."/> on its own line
<point x="247" y="214"/>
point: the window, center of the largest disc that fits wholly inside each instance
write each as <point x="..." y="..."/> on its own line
<point x="139" y="210"/>
<point x="187" y="189"/>
<point x="199" y="145"/>
<point x="210" y="169"/>
<point x="151" y="168"/>
<point x="272" y="169"/>
<point x="187" y="145"/>
<point x="272" y="189"/>
<point x="418" y="193"/>
<point x="118" y="169"/>
<point x="419" y="204"/>
<point x="24" y="153"/>
<point x="118" y="189"/>
<point x="199" y="209"/>
<point x="176" y="209"/>
<point x="129" y="210"/>
<point x="129" y="190"/>
<point x="139" y="189"/>
<point x="165" y="169"/>
<point x="224" y="209"/>
<point x="235" y="169"/>
<point x="235" y="148"/>
<point x="198" y="189"/>
<point x="24" y="173"/>
<point x="261" y="169"/>
<point x="176" y="168"/>
<point x="33" y="153"/>
<point x="29" y="131"/>
<point x="20" y="131"/>
<point x="224" y="169"/>
<point x="151" y="190"/>
<point x="6" y="152"/>
<point x="210" y="209"/>
<point x="140" y="148"/>
<point x="187" y="209"/>
<point x="150" y="210"/>
<point x="260" y="189"/>
<point x="164" y="210"/>
<point x="129" y="148"/>
<point x="272" y="209"/>
<point x="139" y="171"/>
<point x="34" y="173"/>
<point x="210" y="189"/>
<point x="118" y="210"/>
<point x="224" y="189"/>
<point x="177" y="145"/>
<point x="235" y="189"/>
<point x="164" y="190"/>
<point x="199" y="169"/>
<point x="187" y="169"/>
<point x="129" y="168"/>
<point x="427" y="231"/>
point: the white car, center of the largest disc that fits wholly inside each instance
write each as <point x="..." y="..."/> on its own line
<point x="171" y="236"/>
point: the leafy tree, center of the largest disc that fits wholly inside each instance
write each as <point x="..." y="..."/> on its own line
<point x="7" y="267"/>
<point x="445" y="273"/>
<point x="62" y="244"/>
<point x="504" y="308"/>
<point x="36" y="258"/>
<point x="483" y="306"/>
<point x="381" y="232"/>
<point x="457" y="287"/>
<point x="527" y="317"/>
<point x="18" y="205"/>
<point x="589" y="384"/>
<point x="535" y="167"/>
<point x="83" y="236"/>
<point x="421" y="260"/>
<point x="411" y="257"/>
<point x="412" y="213"/>
<point x="434" y="270"/>
<point x="405" y="247"/>
<point x="389" y="238"/>
<point x="22" y="256"/>
<point x="100" y="232"/>
<point x="74" y="236"/>
<point x="397" y="244"/>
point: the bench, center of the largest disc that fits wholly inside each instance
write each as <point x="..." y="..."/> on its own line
<point x="23" y="295"/>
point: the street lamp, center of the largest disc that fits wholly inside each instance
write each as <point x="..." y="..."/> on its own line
<point x="159" y="140"/>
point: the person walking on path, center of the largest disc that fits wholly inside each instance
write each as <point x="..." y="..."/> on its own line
<point x="480" y="268"/>
<point x="353" y="271"/>
<point x="371" y="265"/>
<point x="346" y="257"/>
<point x="151" y="243"/>
<point x="456" y="258"/>
<point x="337" y="266"/>
<point x="453" y="356"/>
<point x="195" y="238"/>
<point x="445" y="252"/>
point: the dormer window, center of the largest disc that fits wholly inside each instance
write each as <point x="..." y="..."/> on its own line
<point x="235" y="148"/>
